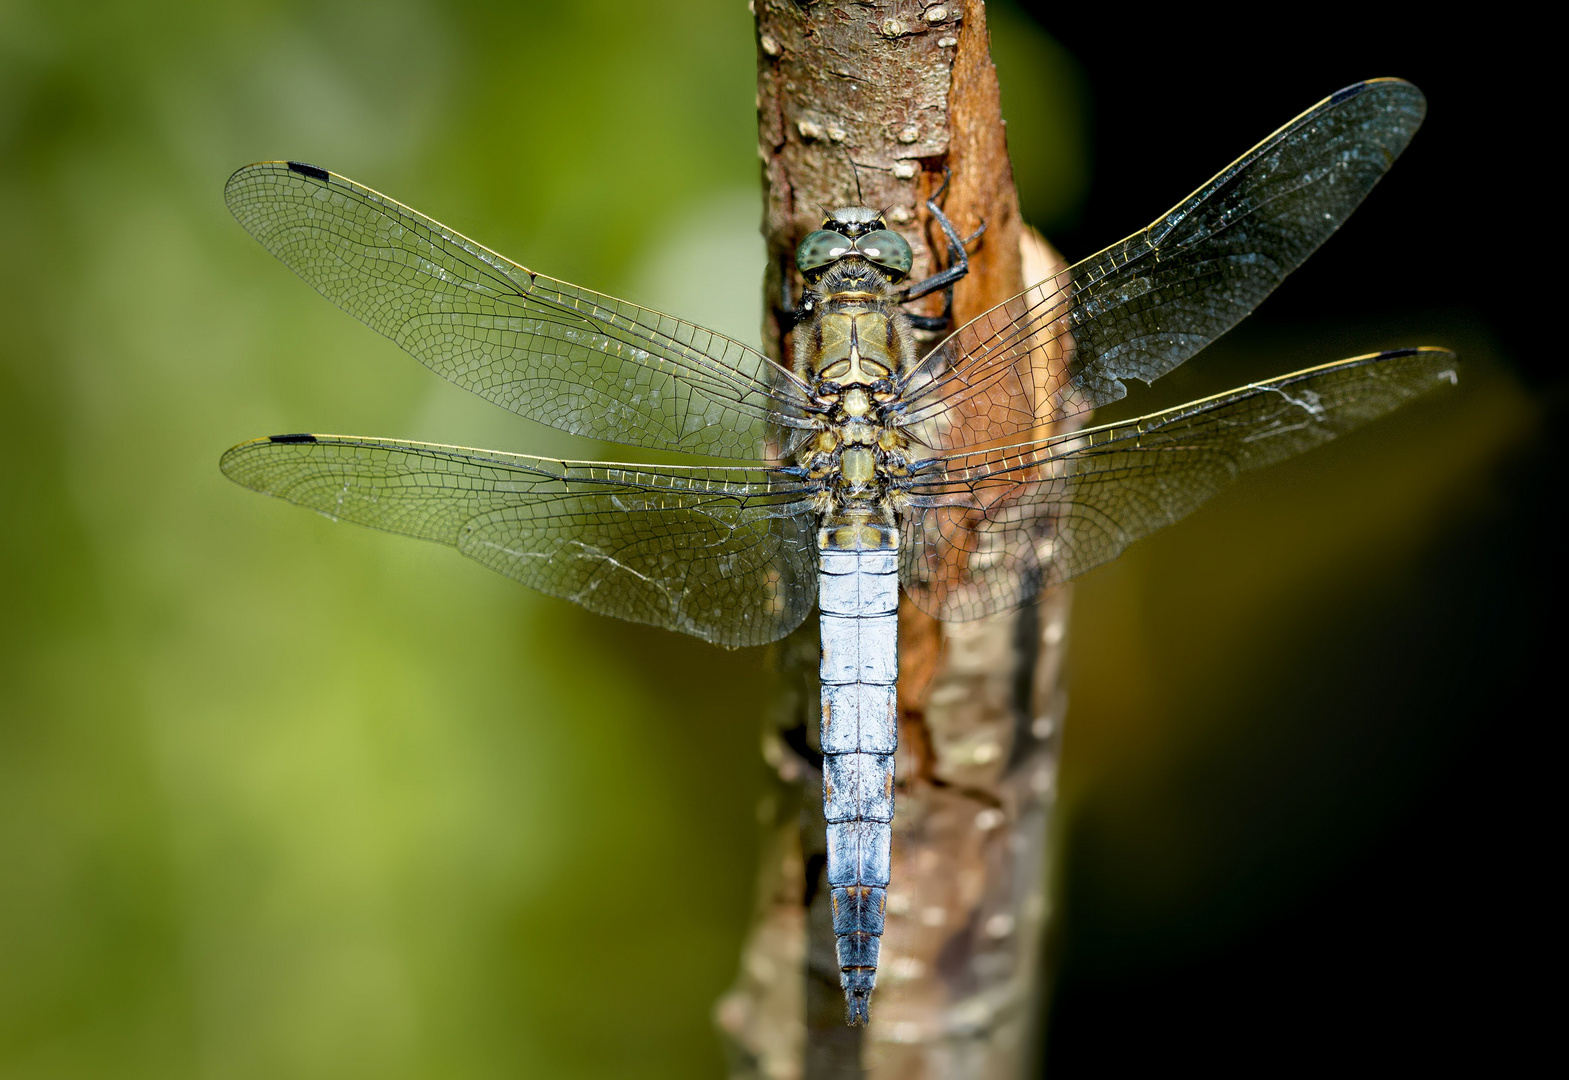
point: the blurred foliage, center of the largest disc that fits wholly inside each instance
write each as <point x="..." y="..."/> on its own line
<point x="279" y="798"/>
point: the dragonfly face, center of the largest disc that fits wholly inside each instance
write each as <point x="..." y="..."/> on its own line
<point x="864" y="469"/>
<point x="855" y="232"/>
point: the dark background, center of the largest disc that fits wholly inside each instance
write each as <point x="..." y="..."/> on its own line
<point x="1417" y="934"/>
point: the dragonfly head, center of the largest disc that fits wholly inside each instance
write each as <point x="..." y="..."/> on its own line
<point x="854" y="221"/>
<point x="854" y="232"/>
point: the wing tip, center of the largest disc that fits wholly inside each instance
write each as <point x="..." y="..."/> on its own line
<point x="1433" y="354"/>
<point x="237" y="192"/>
<point x="1444" y="360"/>
<point x="230" y="458"/>
<point x="1438" y="363"/>
<point x="1388" y="83"/>
<point x="304" y="168"/>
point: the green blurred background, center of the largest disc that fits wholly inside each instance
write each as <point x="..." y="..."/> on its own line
<point x="282" y="798"/>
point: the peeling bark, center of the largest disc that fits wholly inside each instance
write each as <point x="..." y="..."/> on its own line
<point x="887" y="94"/>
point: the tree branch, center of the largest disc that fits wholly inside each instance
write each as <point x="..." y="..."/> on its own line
<point x="888" y="94"/>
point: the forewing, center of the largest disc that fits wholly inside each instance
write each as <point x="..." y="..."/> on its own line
<point x="557" y="353"/>
<point x="1001" y="525"/>
<point x="1146" y="304"/>
<point x="727" y="555"/>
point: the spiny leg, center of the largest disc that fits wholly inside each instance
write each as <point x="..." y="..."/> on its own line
<point x="958" y="265"/>
<point x="786" y="311"/>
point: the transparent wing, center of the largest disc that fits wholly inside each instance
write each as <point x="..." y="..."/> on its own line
<point x="557" y="353"/>
<point x="727" y="555"/>
<point x="998" y="526"/>
<point x="1143" y="306"/>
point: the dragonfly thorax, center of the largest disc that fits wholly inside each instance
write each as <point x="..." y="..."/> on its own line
<point x="853" y="344"/>
<point x="854" y="348"/>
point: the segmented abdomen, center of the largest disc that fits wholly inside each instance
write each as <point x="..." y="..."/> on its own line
<point x="858" y="597"/>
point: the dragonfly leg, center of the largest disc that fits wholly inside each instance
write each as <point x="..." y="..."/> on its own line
<point x="933" y="322"/>
<point x="788" y="312"/>
<point x="958" y="265"/>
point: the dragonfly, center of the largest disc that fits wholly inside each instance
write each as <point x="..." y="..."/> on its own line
<point x="962" y="478"/>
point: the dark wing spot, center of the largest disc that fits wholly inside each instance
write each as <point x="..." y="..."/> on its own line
<point x="315" y="172"/>
<point x="291" y="438"/>
<point x="1346" y="94"/>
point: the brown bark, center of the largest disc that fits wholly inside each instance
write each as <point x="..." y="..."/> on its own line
<point x="903" y="89"/>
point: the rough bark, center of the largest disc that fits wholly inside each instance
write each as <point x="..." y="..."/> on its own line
<point x="886" y="94"/>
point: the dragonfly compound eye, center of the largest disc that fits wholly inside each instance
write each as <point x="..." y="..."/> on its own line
<point x="820" y="249"/>
<point x="888" y="250"/>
